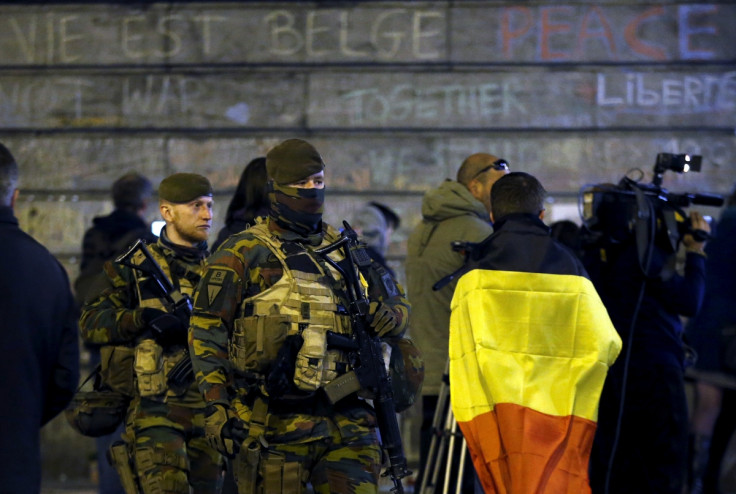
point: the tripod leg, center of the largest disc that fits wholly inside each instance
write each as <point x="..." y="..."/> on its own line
<point x="441" y="423"/>
<point x="461" y="466"/>
<point x="450" y="451"/>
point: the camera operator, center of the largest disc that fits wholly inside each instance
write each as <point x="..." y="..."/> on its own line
<point x="642" y="436"/>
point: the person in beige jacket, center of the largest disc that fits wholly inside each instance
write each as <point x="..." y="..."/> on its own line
<point x="457" y="210"/>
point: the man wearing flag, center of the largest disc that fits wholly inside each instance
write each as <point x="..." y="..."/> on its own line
<point x="530" y="347"/>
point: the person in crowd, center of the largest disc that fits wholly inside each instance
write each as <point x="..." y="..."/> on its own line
<point x="164" y="448"/>
<point x="40" y="364"/>
<point x="108" y="236"/>
<point x="712" y="334"/>
<point x="262" y="312"/>
<point x="374" y="223"/>
<point x="530" y="346"/>
<point x="641" y="444"/>
<point x="456" y="211"/>
<point x="568" y="233"/>
<point x="249" y="202"/>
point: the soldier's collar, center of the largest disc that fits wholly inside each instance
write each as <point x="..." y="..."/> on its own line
<point x="196" y="253"/>
<point x="286" y="235"/>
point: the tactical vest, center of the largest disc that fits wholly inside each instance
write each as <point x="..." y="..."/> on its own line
<point x="152" y="361"/>
<point x="303" y="301"/>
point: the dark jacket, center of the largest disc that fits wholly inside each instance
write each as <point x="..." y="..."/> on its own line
<point x="522" y="242"/>
<point x="39" y="348"/>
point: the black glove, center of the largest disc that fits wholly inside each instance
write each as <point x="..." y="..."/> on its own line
<point x="167" y="329"/>
<point x="224" y="430"/>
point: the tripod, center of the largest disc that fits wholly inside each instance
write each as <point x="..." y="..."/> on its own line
<point x="443" y="444"/>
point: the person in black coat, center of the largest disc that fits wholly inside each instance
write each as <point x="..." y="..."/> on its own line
<point x="111" y="234"/>
<point x="38" y="343"/>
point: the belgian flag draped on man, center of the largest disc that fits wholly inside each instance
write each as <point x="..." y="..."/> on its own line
<point x="530" y="346"/>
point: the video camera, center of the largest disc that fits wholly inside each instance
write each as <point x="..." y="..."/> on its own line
<point x="612" y="214"/>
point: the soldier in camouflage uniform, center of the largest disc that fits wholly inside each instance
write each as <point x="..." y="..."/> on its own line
<point x="257" y="339"/>
<point x="165" y="449"/>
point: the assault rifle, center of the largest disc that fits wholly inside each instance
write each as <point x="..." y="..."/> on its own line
<point x="365" y="355"/>
<point x="176" y="303"/>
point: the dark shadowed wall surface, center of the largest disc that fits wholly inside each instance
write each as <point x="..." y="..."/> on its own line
<point x="394" y="95"/>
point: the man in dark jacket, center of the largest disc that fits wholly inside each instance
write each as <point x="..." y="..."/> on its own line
<point x="111" y="234"/>
<point x="39" y="346"/>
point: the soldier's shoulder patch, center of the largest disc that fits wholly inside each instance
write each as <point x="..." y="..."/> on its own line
<point x="216" y="283"/>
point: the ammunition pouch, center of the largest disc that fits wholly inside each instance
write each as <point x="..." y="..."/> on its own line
<point x="116" y="368"/>
<point x="246" y="470"/>
<point x="310" y="360"/>
<point x="249" y="463"/>
<point x="280" y="475"/>
<point x="317" y="366"/>
<point x="119" y="459"/>
<point x="149" y="368"/>
<point x="256" y="341"/>
<point x="152" y="367"/>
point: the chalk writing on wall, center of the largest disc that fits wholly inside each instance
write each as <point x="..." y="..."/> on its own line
<point x="435" y="32"/>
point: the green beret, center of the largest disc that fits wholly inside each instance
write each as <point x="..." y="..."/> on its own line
<point x="180" y="188"/>
<point x="293" y="160"/>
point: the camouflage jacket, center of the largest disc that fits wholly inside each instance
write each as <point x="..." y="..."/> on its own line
<point x="243" y="267"/>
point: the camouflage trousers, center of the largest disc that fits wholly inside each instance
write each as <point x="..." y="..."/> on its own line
<point x="170" y="451"/>
<point x="336" y="451"/>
